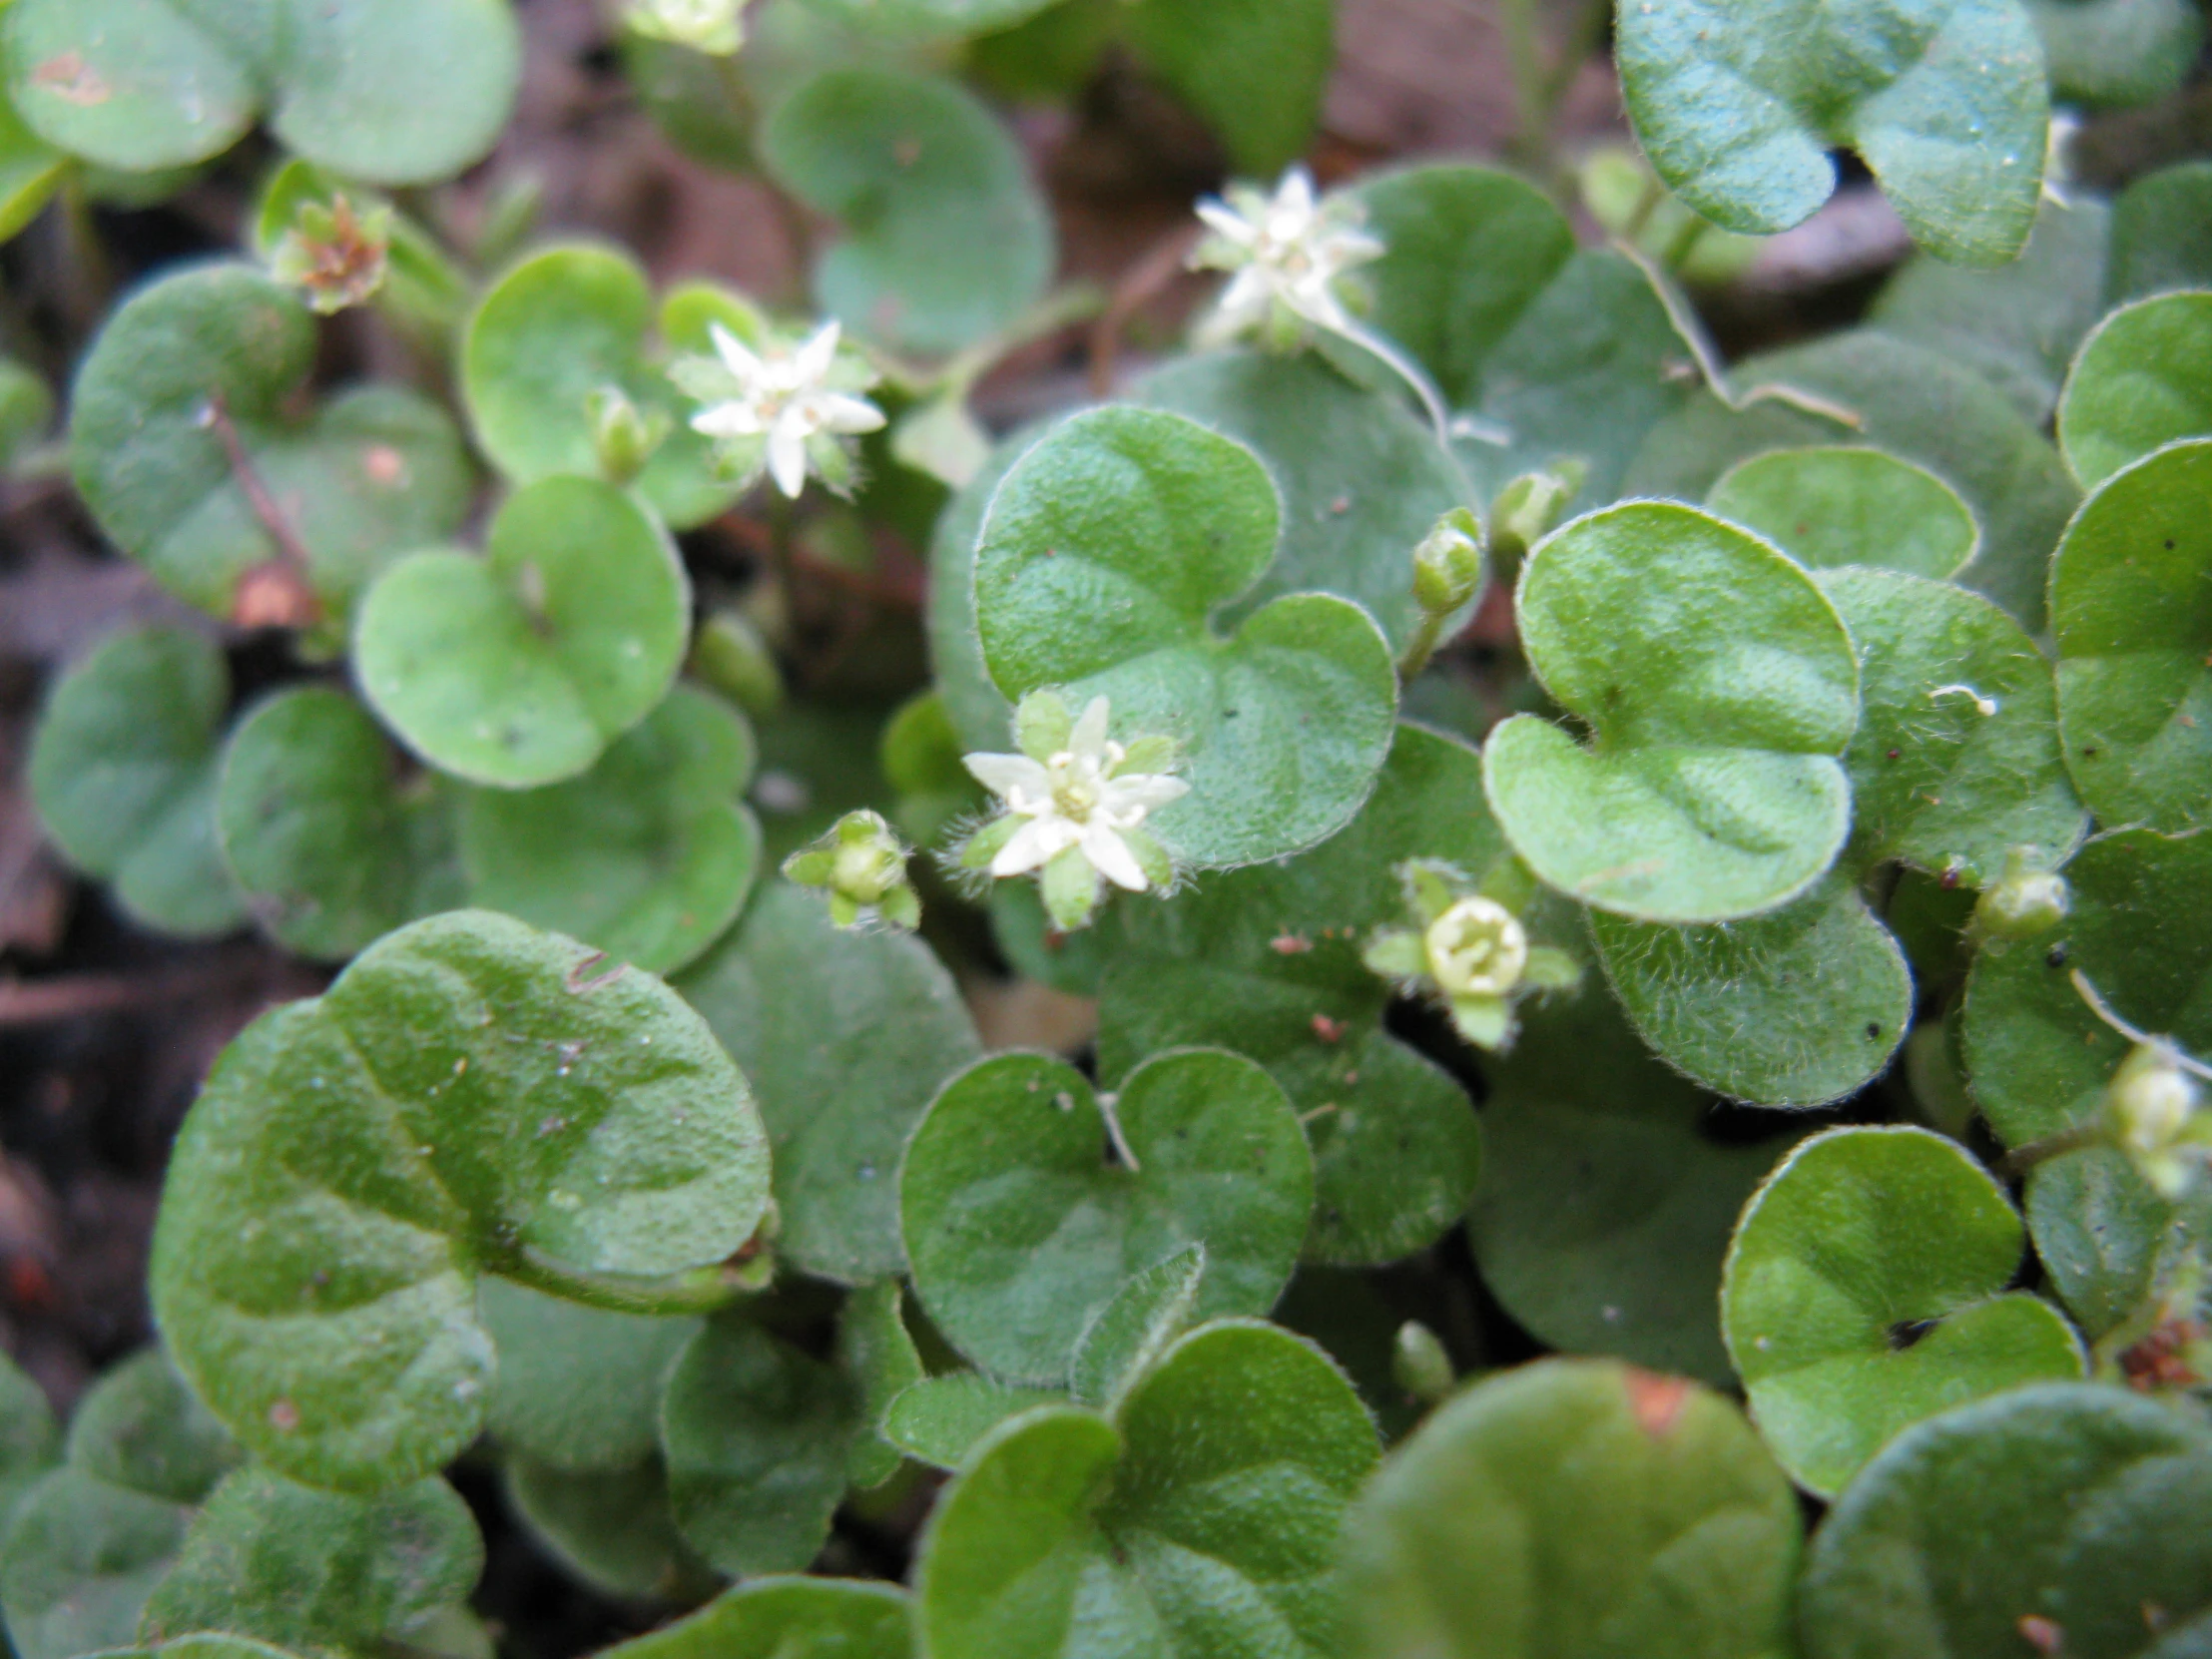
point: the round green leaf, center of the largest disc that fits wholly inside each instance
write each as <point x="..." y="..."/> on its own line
<point x="560" y="326"/>
<point x="2162" y="233"/>
<point x="755" y="1437"/>
<point x="979" y="712"/>
<point x="787" y="1618"/>
<point x="1957" y="759"/>
<point x="1718" y="684"/>
<point x="1739" y="104"/>
<point x="1107" y="550"/>
<point x="1255" y="70"/>
<point x="519" y="667"/>
<point x="940" y="1420"/>
<point x="29" y="1437"/>
<point x="1836" y="507"/>
<point x="1266" y="962"/>
<point x="2117" y="51"/>
<point x="2142" y="380"/>
<point x="609" y="1527"/>
<point x="1571" y="1508"/>
<point x="391" y="91"/>
<point x="141" y="1429"/>
<point x="1866" y="1290"/>
<point x="123" y="773"/>
<point x="2132" y="605"/>
<point x="317" y="1570"/>
<point x="1605" y="1206"/>
<point x="946" y="240"/>
<point x="1201" y="1518"/>
<point x="1911" y="401"/>
<point x="2069" y="1510"/>
<point x="332" y="847"/>
<point x="1021" y="1225"/>
<point x="2109" y="1242"/>
<point x="1798" y="1007"/>
<point x="469" y="1093"/>
<point x="80" y="1559"/>
<point x="2039" y="1060"/>
<point x="846" y="1036"/>
<point x="648" y="856"/>
<point x="577" y="1387"/>
<point x="1361" y="482"/>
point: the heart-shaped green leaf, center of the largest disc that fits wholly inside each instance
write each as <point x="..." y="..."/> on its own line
<point x="80" y="1559"/>
<point x="317" y="1570"/>
<point x="1798" y="1007"/>
<point x="1837" y="506"/>
<point x="185" y="442"/>
<point x="1255" y="69"/>
<point x="2019" y="324"/>
<point x="1912" y="403"/>
<point x="561" y="325"/>
<point x="123" y="772"/>
<point x="1606" y="1206"/>
<point x="1266" y="962"/>
<point x="141" y="1429"/>
<point x="1866" y="1290"/>
<point x="846" y="1036"/>
<point x="2110" y="1243"/>
<point x="2162" y="233"/>
<point x="787" y="1618"/>
<point x="469" y="1094"/>
<point x="2132" y="605"/>
<point x="1107" y="550"/>
<point x="519" y="667"/>
<point x="1738" y="106"/>
<point x="2117" y="51"/>
<point x="1957" y="759"/>
<point x="648" y="856"/>
<point x="331" y="844"/>
<point x="2070" y="1513"/>
<point x="393" y="91"/>
<point x="755" y="1437"/>
<point x="1021" y="1222"/>
<point x="946" y="240"/>
<point x="1361" y="482"/>
<point x="2040" y="1061"/>
<point x="1200" y="1517"/>
<point x="2142" y="380"/>
<point x="577" y="1387"/>
<point x="1719" y="686"/>
<point x="940" y="1420"/>
<point x="1571" y="1508"/>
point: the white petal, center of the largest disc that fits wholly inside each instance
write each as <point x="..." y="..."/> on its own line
<point x="1088" y="740"/>
<point x="1244" y="303"/>
<point x="1295" y="192"/>
<point x="1035" y="844"/>
<point x="815" y="356"/>
<point x="1227" y="223"/>
<point x="1111" y="857"/>
<point x="1006" y="775"/>
<point x="729" y="420"/>
<point x="786" y="459"/>
<point x="1146" y="790"/>
<point x="735" y="354"/>
<point x="839" y="413"/>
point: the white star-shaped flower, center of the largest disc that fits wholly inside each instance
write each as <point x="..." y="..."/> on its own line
<point x="1076" y="797"/>
<point x="784" y="396"/>
<point x="1287" y="251"/>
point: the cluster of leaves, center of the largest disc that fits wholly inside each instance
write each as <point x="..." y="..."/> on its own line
<point x="1860" y="767"/>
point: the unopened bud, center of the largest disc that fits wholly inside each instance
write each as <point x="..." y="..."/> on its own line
<point x="710" y="26"/>
<point x="1447" y="566"/>
<point x="1529" y="506"/>
<point x="2024" y="902"/>
<point x="1419" y="1364"/>
<point x="730" y="655"/>
<point x="623" y="435"/>
<point x="861" y="864"/>
<point x="1476" y="948"/>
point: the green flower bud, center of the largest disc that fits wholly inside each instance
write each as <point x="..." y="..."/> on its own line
<point x="861" y="864"/>
<point x="1447" y="566"/>
<point x="335" y="256"/>
<point x="1476" y="948"/>
<point x="623" y="435"/>
<point x="730" y="655"/>
<point x="1419" y="1364"/>
<point x="1527" y="509"/>
<point x="2024" y="902"/>
<point x="2152" y="1107"/>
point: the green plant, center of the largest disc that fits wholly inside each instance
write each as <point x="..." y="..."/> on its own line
<point x="1846" y="749"/>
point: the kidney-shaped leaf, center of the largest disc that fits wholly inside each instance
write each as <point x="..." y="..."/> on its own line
<point x="1866" y="1290"/>
<point x="1199" y="1519"/>
<point x="519" y="667"/>
<point x="1831" y="505"/>
<point x="2162" y="233"/>
<point x="2142" y="380"/>
<point x="1738" y="103"/>
<point x="1720" y="686"/>
<point x="2069" y="1514"/>
<point x="80" y="1558"/>
<point x="2109" y="1241"/>
<point x="787" y="1618"/>
<point x="140" y="1427"/>
<point x="469" y="1094"/>
<point x="1106" y="553"/>
<point x="2131" y="604"/>
<point x="1022" y="1222"/>
<point x="1572" y="1508"/>
<point x="123" y="772"/>
<point x="184" y="442"/>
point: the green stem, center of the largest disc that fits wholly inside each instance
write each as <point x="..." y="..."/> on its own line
<point x="2021" y="1159"/>
<point x="1532" y="81"/>
<point x="700" y="1291"/>
<point x="1421" y="646"/>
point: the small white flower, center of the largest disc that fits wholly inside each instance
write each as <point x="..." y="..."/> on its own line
<point x="1476" y="948"/>
<point x="710" y="26"/>
<point x="1076" y="797"/>
<point x="1286" y="253"/>
<point x="784" y="397"/>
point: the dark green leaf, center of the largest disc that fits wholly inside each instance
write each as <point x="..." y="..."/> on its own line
<point x="2162" y="233"/>
<point x="879" y="1359"/>
<point x="577" y="1387"/>
<point x="787" y="1618"/>
<point x="2144" y="380"/>
<point x="140" y="1427"/>
<point x="1255" y="69"/>
<point x="2110" y="1244"/>
<point x="609" y="1527"/>
<point x="80" y="1559"/>
<point x="2117" y="51"/>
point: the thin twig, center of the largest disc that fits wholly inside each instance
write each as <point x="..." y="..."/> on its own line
<point x="1142" y="282"/>
<point x="216" y="419"/>
<point x="279" y="592"/>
